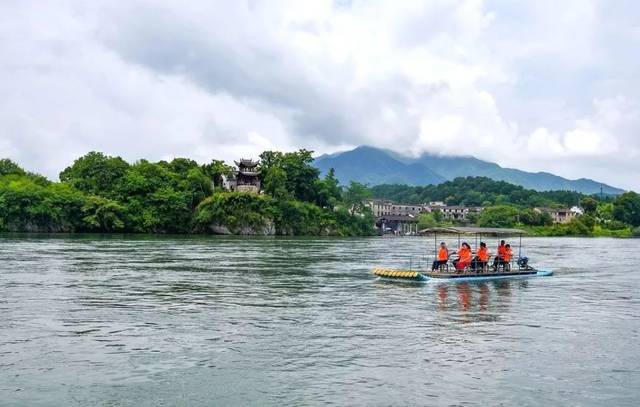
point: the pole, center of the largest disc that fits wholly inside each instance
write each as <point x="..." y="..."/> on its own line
<point x="435" y="244"/>
<point x="520" y="247"/>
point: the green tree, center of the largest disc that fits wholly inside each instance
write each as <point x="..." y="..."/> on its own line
<point x="426" y="220"/>
<point x="95" y="173"/>
<point x="215" y="170"/>
<point x="328" y="191"/>
<point x="275" y="183"/>
<point x="9" y="167"/>
<point x="626" y="208"/>
<point x="301" y="174"/>
<point x="103" y="215"/>
<point x="355" y="196"/>
<point x="589" y="205"/>
<point x="604" y="211"/>
<point x="501" y="216"/>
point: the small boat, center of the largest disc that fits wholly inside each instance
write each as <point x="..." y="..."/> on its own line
<point x="518" y="269"/>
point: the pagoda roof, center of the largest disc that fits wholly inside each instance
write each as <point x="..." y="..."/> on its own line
<point x="250" y="173"/>
<point x="247" y="162"/>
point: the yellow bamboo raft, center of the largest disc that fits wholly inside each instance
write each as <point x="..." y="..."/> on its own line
<point x="398" y="274"/>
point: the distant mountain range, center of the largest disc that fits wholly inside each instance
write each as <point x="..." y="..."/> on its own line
<point x="374" y="166"/>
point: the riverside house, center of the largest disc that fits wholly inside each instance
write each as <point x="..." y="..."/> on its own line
<point x="401" y="218"/>
<point x="560" y="215"/>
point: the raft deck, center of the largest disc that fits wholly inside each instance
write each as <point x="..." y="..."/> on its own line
<point x="444" y="275"/>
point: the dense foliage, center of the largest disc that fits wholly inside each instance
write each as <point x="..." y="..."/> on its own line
<point x="476" y="191"/>
<point x="99" y="193"/>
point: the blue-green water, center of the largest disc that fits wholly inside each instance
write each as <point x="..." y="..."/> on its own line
<point x="264" y="321"/>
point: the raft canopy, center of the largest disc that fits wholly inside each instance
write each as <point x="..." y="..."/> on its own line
<point x="454" y="230"/>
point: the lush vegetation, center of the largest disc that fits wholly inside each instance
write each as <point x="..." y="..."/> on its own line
<point x="508" y="205"/>
<point x="99" y="193"/>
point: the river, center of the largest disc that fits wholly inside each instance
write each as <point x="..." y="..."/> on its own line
<point x="146" y="321"/>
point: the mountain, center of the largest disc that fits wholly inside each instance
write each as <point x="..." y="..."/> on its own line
<point x="370" y="165"/>
<point x="373" y="166"/>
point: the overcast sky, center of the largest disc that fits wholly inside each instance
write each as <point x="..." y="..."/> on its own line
<point x="547" y="85"/>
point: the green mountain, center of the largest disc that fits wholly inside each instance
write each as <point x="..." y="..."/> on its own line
<point x="375" y="166"/>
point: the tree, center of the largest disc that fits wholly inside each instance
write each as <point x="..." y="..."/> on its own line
<point x="328" y="191"/>
<point x="275" y="183"/>
<point x="501" y="216"/>
<point x="589" y="205"/>
<point x="626" y="208"/>
<point x="95" y="173"/>
<point x="426" y="220"/>
<point x="355" y="196"/>
<point x="215" y="170"/>
<point x="9" y="167"/>
<point x="301" y="175"/>
<point x="604" y="211"/>
<point x="102" y="214"/>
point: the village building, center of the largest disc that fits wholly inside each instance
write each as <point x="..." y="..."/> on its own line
<point x="245" y="179"/>
<point x="398" y="218"/>
<point x="456" y="212"/>
<point x="560" y="215"/>
<point x="386" y="208"/>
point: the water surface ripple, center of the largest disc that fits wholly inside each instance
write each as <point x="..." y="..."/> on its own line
<point x="301" y="321"/>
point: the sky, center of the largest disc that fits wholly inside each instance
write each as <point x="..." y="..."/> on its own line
<point x="540" y="85"/>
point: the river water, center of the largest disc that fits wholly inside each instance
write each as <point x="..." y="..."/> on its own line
<point x="139" y="321"/>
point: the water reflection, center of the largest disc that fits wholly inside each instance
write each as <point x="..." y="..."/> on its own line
<point x="483" y="296"/>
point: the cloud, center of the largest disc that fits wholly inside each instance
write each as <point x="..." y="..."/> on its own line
<point x="515" y="84"/>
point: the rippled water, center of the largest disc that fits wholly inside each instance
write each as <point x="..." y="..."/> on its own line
<point x="271" y="321"/>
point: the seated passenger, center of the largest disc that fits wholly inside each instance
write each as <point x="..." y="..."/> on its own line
<point x="464" y="257"/>
<point x="482" y="257"/>
<point x="500" y="255"/>
<point x="508" y="254"/>
<point x="505" y="259"/>
<point x="443" y="257"/>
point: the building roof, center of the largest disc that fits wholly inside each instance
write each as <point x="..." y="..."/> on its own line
<point x="250" y="173"/>
<point x="408" y="218"/>
<point x="247" y="162"/>
<point x="471" y="231"/>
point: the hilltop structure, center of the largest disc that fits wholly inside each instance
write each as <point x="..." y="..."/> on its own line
<point x="246" y="178"/>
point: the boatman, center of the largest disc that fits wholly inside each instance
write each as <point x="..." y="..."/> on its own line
<point x="443" y="257"/>
<point x="482" y="257"/>
<point x="499" y="257"/>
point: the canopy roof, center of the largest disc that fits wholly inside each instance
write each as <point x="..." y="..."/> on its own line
<point x="471" y="231"/>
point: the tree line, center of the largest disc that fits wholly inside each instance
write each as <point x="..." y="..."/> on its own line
<point x="101" y="193"/>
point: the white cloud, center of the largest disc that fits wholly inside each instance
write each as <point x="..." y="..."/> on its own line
<point x="533" y="86"/>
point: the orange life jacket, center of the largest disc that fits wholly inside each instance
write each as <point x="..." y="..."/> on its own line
<point x="443" y="254"/>
<point x="483" y="254"/>
<point x="501" y="250"/>
<point x="465" y="255"/>
<point x="507" y="255"/>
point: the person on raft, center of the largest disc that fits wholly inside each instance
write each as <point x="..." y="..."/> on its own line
<point x="504" y="256"/>
<point x="443" y="257"/>
<point x="499" y="256"/>
<point x="464" y="257"/>
<point x="482" y="257"/>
